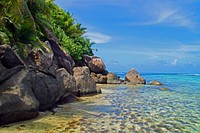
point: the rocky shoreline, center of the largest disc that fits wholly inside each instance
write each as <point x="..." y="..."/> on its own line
<point x="47" y="78"/>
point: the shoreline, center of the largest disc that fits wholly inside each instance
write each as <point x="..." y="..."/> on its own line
<point x="125" y="108"/>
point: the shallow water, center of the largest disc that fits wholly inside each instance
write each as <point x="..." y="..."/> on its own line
<point x="124" y="108"/>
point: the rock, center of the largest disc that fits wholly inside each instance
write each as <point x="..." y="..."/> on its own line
<point x="8" y="58"/>
<point x="65" y="63"/>
<point x="63" y="59"/>
<point x="164" y="89"/>
<point x="67" y="82"/>
<point x="99" y="78"/>
<point x="17" y="100"/>
<point x="50" y="59"/>
<point x="102" y="80"/>
<point x="134" y="77"/>
<point x="68" y="99"/>
<point x="155" y="82"/>
<point x="5" y="73"/>
<point x="45" y="88"/>
<point x="48" y="83"/>
<point x="84" y="83"/>
<point x="49" y="90"/>
<point x="113" y="79"/>
<point x="42" y="60"/>
<point x="95" y="64"/>
<point x="104" y="72"/>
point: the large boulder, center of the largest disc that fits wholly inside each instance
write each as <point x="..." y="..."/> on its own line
<point x="8" y="58"/>
<point x="25" y="89"/>
<point x="63" y="59"/>
<point x="49" y="90"/>
<point x="84" y="83"/>
<point x="50" y="58"/>
<point x="45" y="88"/>
<point x="95" y="64"/>
<point x="5" y="73"/>
<point x="42" y="60"/>
<point x="53" y="78"/>
<point x="17" y="100"/>
<point x="10" y="63"/>
<point x="134" y="77"/>
<point x="112" y="78"/>
<point x="67" y="83"/>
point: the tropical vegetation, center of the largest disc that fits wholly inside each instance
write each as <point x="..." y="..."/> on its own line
<point x="23" y="25"/>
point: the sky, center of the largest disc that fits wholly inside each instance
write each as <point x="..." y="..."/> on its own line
<point x="155" y="36"/>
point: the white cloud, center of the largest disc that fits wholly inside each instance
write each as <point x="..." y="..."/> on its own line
<point x="174" y="17"/>
<point x="165" y="12"/>
<point x="98" y="37"/>
<point x="165" y="15"/>
<point x="189" y="48"/>
<point x="177" y="50"/>
<point x="162" y="16"/>
<point x="174" y="62"/>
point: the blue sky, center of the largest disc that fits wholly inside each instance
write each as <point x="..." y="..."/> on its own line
<point x="149" y="35"/>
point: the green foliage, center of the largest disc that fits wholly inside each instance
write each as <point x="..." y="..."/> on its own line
<point x="19" y="23"/>
<point x="68" y="44"/>
<point x="4" y="38"/>
<point x="69" y="33"/>
<point x="23" y="24"/>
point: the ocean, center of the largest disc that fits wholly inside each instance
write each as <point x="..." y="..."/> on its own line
<point x="126" y="108"/>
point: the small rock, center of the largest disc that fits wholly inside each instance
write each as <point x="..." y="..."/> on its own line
<point x="155" y="82"/>
<point x="113" y="79"/>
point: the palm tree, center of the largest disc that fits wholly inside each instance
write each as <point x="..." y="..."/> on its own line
<point x="22" y="22"/>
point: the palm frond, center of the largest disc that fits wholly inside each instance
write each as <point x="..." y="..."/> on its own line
<point x="4" y="39"/>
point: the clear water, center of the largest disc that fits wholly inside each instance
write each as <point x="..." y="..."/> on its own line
<point x="121" y="108"/>
<point x="147" y="108"/>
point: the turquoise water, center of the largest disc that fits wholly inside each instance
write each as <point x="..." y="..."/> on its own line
<point x="146" y="108"/>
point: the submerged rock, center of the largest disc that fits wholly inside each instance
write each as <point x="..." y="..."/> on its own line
<point x="134" y="77"/>
<point x="164" y="89"/>
<point x="155" y="82"/>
